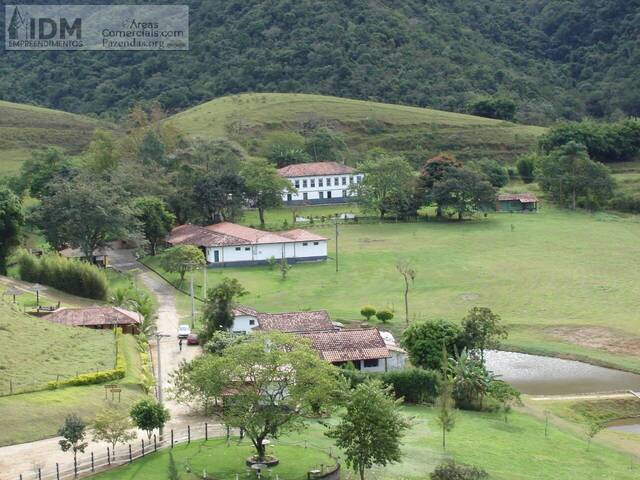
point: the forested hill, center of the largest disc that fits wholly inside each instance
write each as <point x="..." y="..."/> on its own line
<point x="556" y="59"/>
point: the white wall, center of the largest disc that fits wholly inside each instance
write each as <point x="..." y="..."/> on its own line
<point x="379" y="368"/>
<point x="397" y="360"/>
<point x="336" y="184"/>
<point x="243" y="324"/>
<point x="262" y="252"/>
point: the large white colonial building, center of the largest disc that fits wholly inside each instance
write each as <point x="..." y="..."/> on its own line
<point x="319" y="182"/>
<point x="229" y="244"/>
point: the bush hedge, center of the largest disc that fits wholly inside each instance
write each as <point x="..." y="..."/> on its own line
<point x="101" y="376"/>
<point x="415" y="385"/>
<point x="71" y="276"/>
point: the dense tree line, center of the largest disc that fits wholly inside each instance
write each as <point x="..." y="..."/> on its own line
<point x="536" y="59"/>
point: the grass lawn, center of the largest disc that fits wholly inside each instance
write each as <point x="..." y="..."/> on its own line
<point x="222" y="461"/>
<point x="33" y="416"/>
<point x="554" y="277"/>
<point x="514" y="451"/>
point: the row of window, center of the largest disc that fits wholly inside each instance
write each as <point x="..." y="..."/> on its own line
<point x="311" y="183"/>
<point x="304" y="244"/>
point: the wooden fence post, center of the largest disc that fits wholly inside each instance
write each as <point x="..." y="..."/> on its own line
<point x="39" y="474"/>
<point x="206" y="431"/>
<point x="92" y="464"/>
<point x="108" y="455"/>
<point x="142" y="440"/>
<point x="130" y="458"/>
<point x="57" y="471"/>
<point x="155" y="444"/>
<point x="75" y="466"/>
<point x="172" y="438"/>
<point x="188" y="433"/>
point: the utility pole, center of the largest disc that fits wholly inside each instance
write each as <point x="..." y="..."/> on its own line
<point x="204" y="282"/>
<point x="159" y="355"/>
<point x="193" y="304"/>
<point x="337" y="233"/>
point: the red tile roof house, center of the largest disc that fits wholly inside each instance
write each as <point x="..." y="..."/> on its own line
<point x="319" y="183"/>
<point x="365" y="348"/>
<point x="229" y="244"/>
<point x="98" y="318"/>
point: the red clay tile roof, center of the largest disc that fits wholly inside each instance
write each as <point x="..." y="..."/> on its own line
<point x="300" y="235"/>
<point x="229" y="234"/>
<point x="315" y="169"/>
<point x="244" y="310"/>
<point x="522" y="197"/>
<point x="94" y="316"/>
<point x="295" y="322"/>
<point x="346" y="345"/>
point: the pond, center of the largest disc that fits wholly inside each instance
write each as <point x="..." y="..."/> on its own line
<point x="538" y="375"/>
<point x="627" y="425"/>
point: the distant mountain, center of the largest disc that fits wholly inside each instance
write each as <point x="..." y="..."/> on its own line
<point x="556" y="59"/>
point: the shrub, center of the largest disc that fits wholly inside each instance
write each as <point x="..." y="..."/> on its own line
<point x="71" y="276"/>
<point x="451" y="470"/>
<point x="367" y="312"/>
<point x="414" y="385"/>
<point x="384" y="315"/>
<point x="626" y="203"/>
<point x="526" y="166"/>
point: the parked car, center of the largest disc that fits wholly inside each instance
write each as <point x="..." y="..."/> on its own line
<point x="183" y="331"/>
<point x="192" y="339"/>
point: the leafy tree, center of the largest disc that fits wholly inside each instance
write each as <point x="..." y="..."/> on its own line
<point x="285" y="148"/>
<point x="424" y="342"/>
<point x="219" y="305"/>
<point x="434" y="170"/>
<point x="446" y="416"/>
<point x="263" y="186"/>
<point x="471" y="380"/>
<point x="277" y="379"/>
<point x="325" y="145"/>
<point x="151" y="150"/>
<point x="409" y="275"/>
<point x="370" y="431"/>
<point x="482" y="330"/>
<point x="149" y="415"/>
<point x="102" y="154"/>
<point x="196" y="382"/>
<point x="181" y="259"/>
<point x="387" y="186"/>
<point x="568" y="175"/>
<point x="73" y="434"/>
<point x="222" y="339"/>
<point x="155" y="219"/>
<point x="526" y="167"/>
<point x="85" y="212"/>
<point x="495" y="107"/>
<point x="592" y="429"/>
<point x="367" y="312"/>
<point x="505" y="395"/>
<point x="494" y="172"/>
<point x="384" y="315"/>
<point x="112" y="427"/>
<point x="11" y="221"/>
<point x="284" y="268"/>
<point x="44" y="168"/>
<point x="464" y="191"/>
<point x="220" y="194"/>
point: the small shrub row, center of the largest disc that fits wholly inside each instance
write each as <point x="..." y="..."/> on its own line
<point x="71" y="276"/>
<point x="626" y="203"/>
<point x="451" y="470"/>
<point x="102" y="376"/>
<point x="415" y="385"/>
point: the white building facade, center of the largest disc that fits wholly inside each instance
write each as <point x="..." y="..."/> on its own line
<point x="320" y="183"/>
<point x="228" y="244"/>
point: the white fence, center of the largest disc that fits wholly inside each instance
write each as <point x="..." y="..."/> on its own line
<point x="96" y="461"/>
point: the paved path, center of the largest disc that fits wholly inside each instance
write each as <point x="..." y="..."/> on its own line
<point x="587" y="396"/>
<point x="25" y="458"/>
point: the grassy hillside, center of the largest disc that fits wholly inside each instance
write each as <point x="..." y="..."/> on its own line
<point x="24" y="128"/>
<point x="34" y="351"/>
<point x="411" y="131"/>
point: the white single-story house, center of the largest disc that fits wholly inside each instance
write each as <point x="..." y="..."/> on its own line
<point x="319" y="182"/>
<point x="369" y="350"/>
<point x="229" y="244"/>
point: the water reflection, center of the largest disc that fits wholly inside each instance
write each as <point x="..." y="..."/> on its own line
<point x="537" y="375"/>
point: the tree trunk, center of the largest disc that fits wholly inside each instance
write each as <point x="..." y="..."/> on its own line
<point x="361" y="468"/>
<point x="261" y="214"/>
<point x="438" y="211"/>
<point x="459" y="216"/>
<point x="444" y="438"/>
<point x="573" y="198"/>
<point x="154" y="247"/>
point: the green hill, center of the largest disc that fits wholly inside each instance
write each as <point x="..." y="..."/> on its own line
<point x="25" y="128"/>
<point x="34" y="351"/>
<point x="556" y="59"/>
<point x="411" y="131"/>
